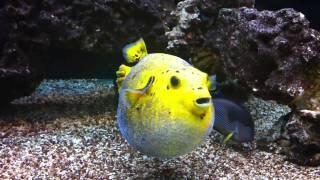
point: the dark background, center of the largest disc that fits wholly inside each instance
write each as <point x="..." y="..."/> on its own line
<point x="310" y="8"/>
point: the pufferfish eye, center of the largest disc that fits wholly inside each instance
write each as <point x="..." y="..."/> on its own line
<point x="174" y="81"/>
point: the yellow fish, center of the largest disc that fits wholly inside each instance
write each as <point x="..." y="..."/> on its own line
<point x="165" y="107"/>
<point x="135" y="51"/>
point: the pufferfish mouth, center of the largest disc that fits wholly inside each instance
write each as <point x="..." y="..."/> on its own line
<point x="204" y="102"/>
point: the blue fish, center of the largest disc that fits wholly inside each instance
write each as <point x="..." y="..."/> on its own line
<point x="233" y="121"/>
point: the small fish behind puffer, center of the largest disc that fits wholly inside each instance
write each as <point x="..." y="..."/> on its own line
<point x="233" y="121"/>
<point x="165" y="108"/>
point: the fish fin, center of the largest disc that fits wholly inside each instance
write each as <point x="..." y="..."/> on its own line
<point x="231" y="117"/>
<point x="121" y="74"/>
<point x="135" y="51"/>
<point x="212" y="83"/>
<point x="132" y="96"/>
<point x="228" y="138"/>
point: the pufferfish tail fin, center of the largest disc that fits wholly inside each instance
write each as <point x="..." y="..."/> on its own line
<point x="135" y="51"/>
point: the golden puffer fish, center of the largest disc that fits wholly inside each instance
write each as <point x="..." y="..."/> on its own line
<point x="165" y="107"/>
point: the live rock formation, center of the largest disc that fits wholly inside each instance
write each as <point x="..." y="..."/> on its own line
<point x="59" y="38"/>
<point x="277" y="56"/>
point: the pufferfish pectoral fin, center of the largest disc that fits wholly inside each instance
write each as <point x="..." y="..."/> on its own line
<point x="132" y="96"/>
<point x="135" y="51"/>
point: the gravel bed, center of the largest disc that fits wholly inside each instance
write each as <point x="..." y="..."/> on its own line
<point x="42" y="137"/>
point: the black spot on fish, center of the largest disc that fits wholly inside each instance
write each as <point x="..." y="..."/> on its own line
<point x="169" y="112"/>
<point x="167" y="71"/>
<point x="168" y="87"/>
<point x="200" y="88"/>
<point x="174" y="81"/>
<point x="137" y="108"/>
<point x="202" y="116"/>
<point x="177" y="71"/>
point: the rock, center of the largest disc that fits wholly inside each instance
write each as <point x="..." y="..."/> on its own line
<point x="301" y="138"/>
<point x="83" y="39"/>
<point x="19" y="73"/>
<point x="64" y="39"/>
<point x="191" y="19"/>
<point x="268" y="119"/>
<point x="190" y="14"/>
<point x="21" y="70"/>
<point x="276" y="55"/>
<point x="187" y="14"/>
<point x="16" y="82"/>
<point x="306" y="7"/>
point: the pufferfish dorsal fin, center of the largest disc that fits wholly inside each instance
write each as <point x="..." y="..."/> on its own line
<point x="133" y="95"/>
<point x="135" y="51"/>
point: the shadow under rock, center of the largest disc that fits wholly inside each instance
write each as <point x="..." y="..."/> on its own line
<point x="60" y="100"/>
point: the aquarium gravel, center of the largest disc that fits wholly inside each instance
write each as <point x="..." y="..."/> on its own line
<point x="61" y="132"/>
